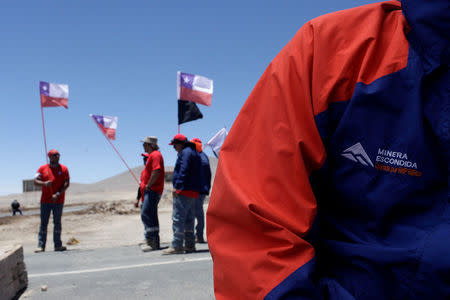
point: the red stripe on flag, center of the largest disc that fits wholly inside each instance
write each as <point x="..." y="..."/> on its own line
<point x="47" y="101"/>
<point x="110" y="133"/>
<point x="195" y="96"/>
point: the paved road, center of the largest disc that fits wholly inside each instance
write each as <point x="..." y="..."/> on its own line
<point x="119" y="273"/>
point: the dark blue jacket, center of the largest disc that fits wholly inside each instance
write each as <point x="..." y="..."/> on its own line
<point x="187" y="174"/>
<point x="206" y="173"/>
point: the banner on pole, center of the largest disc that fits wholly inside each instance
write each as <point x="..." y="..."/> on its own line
<point x="217" y="141"/>
<point x="53" y="94"/>
<point x="188" y="111"/>
<point x="107" y="124"/>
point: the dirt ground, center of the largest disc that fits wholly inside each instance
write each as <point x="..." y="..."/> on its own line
<point x="101" y="224"/>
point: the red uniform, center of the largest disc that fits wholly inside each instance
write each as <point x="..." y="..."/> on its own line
<point x="155" y="162"/>
<point x="58" y="176"/>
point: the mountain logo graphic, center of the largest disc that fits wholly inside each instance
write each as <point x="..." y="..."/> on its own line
<point x="356" y="153"/>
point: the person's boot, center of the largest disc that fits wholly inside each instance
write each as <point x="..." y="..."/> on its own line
<point x="154" y="243"/>
<point x="146" y="247"/>
<point x="172" y="250"/>
<point x="190" y="249"/>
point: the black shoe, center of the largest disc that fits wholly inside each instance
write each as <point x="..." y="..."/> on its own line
<point x="189" y="249"/>
<point x="61" y="248"/>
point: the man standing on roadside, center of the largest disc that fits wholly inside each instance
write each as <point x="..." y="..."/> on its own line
<point x="186" y="188"/>
<point x="152" y="186"/>
<point x="54" y="180"/>
<point x="206" y="186"/>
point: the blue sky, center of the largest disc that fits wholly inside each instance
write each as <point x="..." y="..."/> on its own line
<point x="120" y="58"/>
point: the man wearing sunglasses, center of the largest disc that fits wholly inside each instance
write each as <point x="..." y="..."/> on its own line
<point x="54" y="180"/>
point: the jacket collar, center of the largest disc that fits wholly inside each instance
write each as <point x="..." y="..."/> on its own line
<point x="429" y="21"/>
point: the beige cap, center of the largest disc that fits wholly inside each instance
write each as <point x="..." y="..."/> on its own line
<point x="150" y="140"/>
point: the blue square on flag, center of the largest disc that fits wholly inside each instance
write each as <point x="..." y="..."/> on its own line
<point x="187" y="80"/>
<point x="98" y="119"/>
<point x="44" y="88"/>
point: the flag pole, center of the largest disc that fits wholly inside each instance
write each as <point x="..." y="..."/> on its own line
<point x="123" y="160"/>
<point x="43" y="130"/>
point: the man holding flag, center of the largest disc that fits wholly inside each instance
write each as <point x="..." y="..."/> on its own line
<point x="54" y="180"/>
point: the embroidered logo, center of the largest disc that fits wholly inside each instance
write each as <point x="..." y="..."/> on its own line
<point x="358" y="154"/>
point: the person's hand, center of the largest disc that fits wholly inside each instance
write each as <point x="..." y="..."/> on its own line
<point x="136" y="204"/>
<point x="147" y="188"/>
<point x="48" y="183"/>
<point x="55" y="197"/>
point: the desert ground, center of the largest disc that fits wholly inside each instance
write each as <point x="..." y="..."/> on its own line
<point x="103" y="216"/>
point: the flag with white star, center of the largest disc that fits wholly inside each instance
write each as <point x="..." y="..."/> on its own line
<point x="194" y="88"/>
<point x="53" y="94"/>
<point x="107" y="124"/>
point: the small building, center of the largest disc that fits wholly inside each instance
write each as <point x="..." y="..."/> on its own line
<point x="28" y="186"/>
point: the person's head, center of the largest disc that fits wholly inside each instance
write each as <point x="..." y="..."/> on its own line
<point x="178" y="142"/>
<point x="53" y="155"/>
<point x="150" y="144"/>
<point x="198" y="144"/>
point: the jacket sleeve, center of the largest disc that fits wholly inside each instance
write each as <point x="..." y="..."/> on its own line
<point x="262" y="204"/>
<point x="183" y="161"/>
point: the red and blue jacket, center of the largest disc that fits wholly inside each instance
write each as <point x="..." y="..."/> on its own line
<point x="333" y="182"/>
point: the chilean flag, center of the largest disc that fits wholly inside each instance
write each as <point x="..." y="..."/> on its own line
<point x="53" y="94"/>
<point x="107" y="125"/>
<point x="194" y="88"/>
